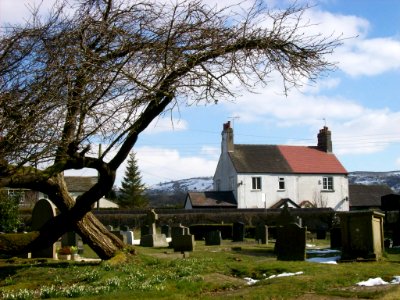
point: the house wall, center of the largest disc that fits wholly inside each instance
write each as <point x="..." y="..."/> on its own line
<point x="297" y="187"/>
<point x="225" y="177"/>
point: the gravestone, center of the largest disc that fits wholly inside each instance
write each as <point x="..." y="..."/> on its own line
<point x="291" y="242"/>
<point x="166" y="229"/>
<point x="362" y="235"/>
<point x="261" y="234"/>
<point x="144" y="230"/>
<point x="213" y="238"/>
<point x="42" y="212"/>
<point x="238" y="232"/>
<point x="110" y="228"/>
<point x="182" y="240"/>
<point x="124" y="228"/>
<point x="336" y="238"/>
<point x="153" y="239"/>
<point x="127" y="236"/>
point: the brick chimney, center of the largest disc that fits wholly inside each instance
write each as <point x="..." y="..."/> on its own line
<point x="325" y="140"/>
<point x="227" y="138"/>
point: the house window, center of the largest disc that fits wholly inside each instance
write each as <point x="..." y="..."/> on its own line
<point x="281" y="181"/>
<point x="327" y="183"/>
<point x="256" y="183"/>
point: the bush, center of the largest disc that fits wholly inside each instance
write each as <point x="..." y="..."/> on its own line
<point x="9" y="215"/>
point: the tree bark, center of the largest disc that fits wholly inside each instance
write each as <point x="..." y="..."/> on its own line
<point x="98" y="237"/>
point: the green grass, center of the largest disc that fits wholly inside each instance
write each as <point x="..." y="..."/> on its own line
<point x="210" y="272"/>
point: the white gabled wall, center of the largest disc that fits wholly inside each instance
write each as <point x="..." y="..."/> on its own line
<point x="298" y="188"/>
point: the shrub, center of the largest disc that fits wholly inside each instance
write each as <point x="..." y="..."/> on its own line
<point x="9" y="216"/>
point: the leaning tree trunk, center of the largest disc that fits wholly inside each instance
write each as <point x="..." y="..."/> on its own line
<point x="98" y="237"/>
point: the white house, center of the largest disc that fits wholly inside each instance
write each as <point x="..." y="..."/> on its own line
<point x="266" y="176"/>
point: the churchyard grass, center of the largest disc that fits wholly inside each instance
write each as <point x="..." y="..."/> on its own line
<point x="210" y="272"/>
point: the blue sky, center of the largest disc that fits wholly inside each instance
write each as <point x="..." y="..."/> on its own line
<point x="359" y="102"/>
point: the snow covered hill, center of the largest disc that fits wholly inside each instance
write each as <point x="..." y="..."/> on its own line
<point x="392" y="179"/>
<point x="191" y="184"/>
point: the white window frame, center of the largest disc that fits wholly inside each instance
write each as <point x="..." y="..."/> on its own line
<point x="327" y="183"/>
<point x="281" y="183"/>
<point x="256" y="183"/>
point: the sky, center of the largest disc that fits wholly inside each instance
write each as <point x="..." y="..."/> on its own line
<point x="359" y="102"/>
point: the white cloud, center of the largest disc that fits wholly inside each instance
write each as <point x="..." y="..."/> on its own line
<point x="166" y="125"/>
<point x="369" y="57"/>
<point x="160" y="165"/>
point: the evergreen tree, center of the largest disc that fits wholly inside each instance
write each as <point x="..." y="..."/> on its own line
<point x="131" y="193"/>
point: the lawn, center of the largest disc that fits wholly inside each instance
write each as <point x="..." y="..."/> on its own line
<point x="210" y="272"/>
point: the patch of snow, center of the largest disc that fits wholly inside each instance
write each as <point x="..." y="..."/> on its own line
<point x="285" y="274"/>
<point x="372" y="282"/>
<point x="250" y="281"/>
<point x="322" y="251"/>
<point x="379" y="281"/>
<point x="325" y="260"/>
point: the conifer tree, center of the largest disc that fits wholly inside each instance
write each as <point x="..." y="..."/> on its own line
<point x="132" y="189"/>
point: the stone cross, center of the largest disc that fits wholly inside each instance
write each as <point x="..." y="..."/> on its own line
<point x="151" y="218"/>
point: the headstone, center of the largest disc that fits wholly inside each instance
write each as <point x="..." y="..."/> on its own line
<point x="124" y="228"/>
<point x="42" y="212"/>
<point x="291" y="242"/>
<point x="336" y="238"/>
<point x="166" y="229"/>
<point x="128" y="237"/>
<point x="110" y="228"/>
<point x="285" y="217"/>
<point x="182" y="240"/>
<point x="144" y="230"/>
<point x="362" y="235"/>
<point x="151" y="219"/>
<point x="152" y="239"/>
<point x="72" y="239"/>
<point x="261" y="234"/>
<point x="213" y="238"/>
<point x="238" y="232"/>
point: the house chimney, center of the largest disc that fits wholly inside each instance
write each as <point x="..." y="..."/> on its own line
<point x="325" y="140"/>
<point x="227" y="138"/>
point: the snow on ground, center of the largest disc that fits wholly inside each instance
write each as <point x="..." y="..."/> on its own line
<point x="251" y="281"/>
<point x="379" y="281"/>
<point x="324" y="260"/>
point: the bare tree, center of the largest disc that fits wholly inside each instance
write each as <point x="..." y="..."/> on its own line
<point x="102" y="71"/>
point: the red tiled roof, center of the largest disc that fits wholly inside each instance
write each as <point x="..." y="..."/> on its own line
<point x="302" y="159"/>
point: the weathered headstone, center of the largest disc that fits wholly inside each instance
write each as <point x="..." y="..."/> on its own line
<point x="291" y="242"/>
<point x="144" y="230"/>
<point x="261" y="234"/>
<point x="127" y="236"/>
<point x="213" y="238"/>
<point x="336" y="238"/>
<point x="166" y="229"/>
<point x="42" y="212"/>
<point x="238" y="232"/>
<point x="153" y="239"/>
<point x="182" y="240"/>
<point x="124" y="228"/>
<point x="362" y="235"/>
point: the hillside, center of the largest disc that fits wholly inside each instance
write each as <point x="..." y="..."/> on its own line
<point x="173" y="193"/>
